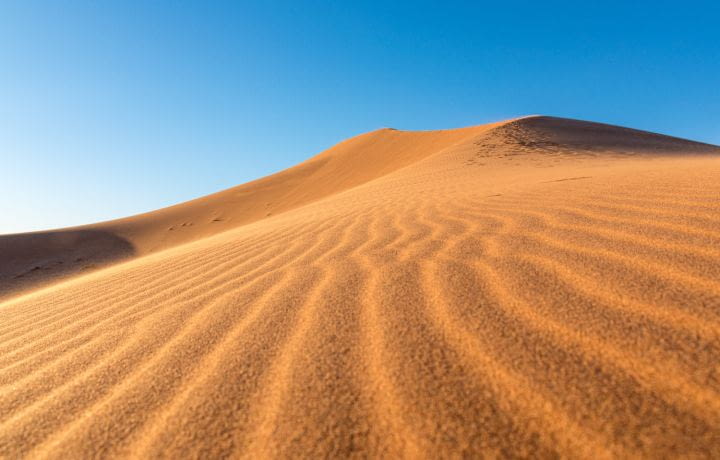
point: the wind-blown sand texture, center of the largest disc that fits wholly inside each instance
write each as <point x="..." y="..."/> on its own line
<point x="532" y="288"/>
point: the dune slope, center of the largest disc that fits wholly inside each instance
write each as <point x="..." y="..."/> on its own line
<point x="538" y="287"/>
<point x="39" y="258"/>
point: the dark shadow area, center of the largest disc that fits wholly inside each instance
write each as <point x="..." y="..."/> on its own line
<point x="553" y="133"/>
<point x="30" y="260"/>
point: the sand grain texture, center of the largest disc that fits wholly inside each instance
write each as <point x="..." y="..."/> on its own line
<point x="541" y="287"/>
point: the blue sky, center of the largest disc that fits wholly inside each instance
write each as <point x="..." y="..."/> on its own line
<point x="109" y="108"/>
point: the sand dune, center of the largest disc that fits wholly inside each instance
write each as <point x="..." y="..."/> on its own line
<point x="532" y="288"/>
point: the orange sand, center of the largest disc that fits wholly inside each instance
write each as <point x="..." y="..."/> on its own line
<point x="537" y="287"/>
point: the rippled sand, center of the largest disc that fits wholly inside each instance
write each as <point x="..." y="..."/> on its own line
<point x="533" y="288"/>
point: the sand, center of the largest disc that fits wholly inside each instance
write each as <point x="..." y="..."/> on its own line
<point x="540" y="287"/>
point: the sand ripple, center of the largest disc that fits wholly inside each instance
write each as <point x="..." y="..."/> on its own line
<point x="442" y="309"/>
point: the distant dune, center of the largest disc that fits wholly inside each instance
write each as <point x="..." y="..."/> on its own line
<point x="531" y="288"/>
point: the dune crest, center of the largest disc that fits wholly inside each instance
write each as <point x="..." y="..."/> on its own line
<point x="536" y="287"/>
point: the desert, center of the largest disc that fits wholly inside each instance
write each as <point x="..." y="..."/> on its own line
<point x="536" y="287"/>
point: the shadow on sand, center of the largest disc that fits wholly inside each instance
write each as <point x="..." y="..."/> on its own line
<point x="30" y="260"/>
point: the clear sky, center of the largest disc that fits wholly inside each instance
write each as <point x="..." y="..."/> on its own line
<point x="112" y="108"/>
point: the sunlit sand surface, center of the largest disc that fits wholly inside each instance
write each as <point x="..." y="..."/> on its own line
<point x="532" y="288"/>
